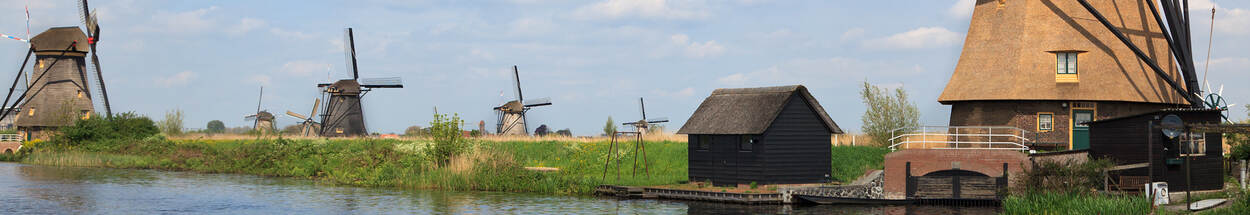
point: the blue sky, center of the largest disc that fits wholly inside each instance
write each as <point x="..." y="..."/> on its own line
<point x="593" y="58"/>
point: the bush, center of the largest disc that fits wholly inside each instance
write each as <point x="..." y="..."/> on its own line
<point x="1062" y="177"/>
<point x="448" y="138"/>
<point x="172" y="124"/>
<point x="887" y="112"/>
<point x="1240" y="152"/>
<point x="610" y="128"/>
<point x="123" y="126"/>
<point x="215" y="127"/>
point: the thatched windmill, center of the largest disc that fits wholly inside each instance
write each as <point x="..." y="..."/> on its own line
<point x="58" y="93"/>
<point x="308" y="126"/>
<point x="511" y="115"/>
<point x="58" y="90"/>
<point x="1049" y="67"/>
<point x="343" y="116"/>
<point x="262" y="120"/>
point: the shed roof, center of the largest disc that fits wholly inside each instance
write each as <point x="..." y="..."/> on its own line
<point x="748" y="110"/>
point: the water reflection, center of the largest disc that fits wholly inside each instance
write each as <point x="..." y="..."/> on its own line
<point x="27" y="189"/>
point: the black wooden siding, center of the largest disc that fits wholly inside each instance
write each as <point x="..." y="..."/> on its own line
<point x="1124" y="141"/>
<point x="794" y="149"/>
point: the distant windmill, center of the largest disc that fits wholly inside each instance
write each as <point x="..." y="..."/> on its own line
<point x="643" y="124"/>
<point x="343" y="116"/>
<point x="617" y="142"/>
<point x="262" y="120"/>
<point x="308" y="126"/>
<point x="511" y="115"/>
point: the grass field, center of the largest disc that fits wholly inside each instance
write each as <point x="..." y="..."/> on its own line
<point x="492" y="164"/>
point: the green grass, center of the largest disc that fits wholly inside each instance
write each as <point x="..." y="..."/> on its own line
<point x="849" y="162"/>
<point x="490" y="166"/>
<point x="1075" y="203"/>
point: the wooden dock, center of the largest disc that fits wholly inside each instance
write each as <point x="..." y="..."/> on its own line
<point x="692" y="195"/>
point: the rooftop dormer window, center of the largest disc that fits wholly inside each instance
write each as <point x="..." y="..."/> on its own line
<point x="1065" y="63"/>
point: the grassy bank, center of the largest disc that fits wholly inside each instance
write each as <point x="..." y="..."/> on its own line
<point x="488" y="165"/>
<point x="849" y="162"/>
<point x="1075" y="203"/>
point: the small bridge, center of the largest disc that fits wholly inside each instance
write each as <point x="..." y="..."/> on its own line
<point x="10" y="143"/>
<point x="954" y="163"/>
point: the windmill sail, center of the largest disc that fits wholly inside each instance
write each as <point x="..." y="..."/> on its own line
<point x="349" y="50"/>
<point x="544" y="101"/>
<point x="388" y="82"/>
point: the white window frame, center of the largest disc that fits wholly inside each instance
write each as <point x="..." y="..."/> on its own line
<point x="1066" y="63"/>
<point x="1049" y="125"/>
<point x="1193" y="144"/>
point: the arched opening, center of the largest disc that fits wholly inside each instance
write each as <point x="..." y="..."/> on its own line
<point x="955" y="172"/>
<point x="8" y="151"/>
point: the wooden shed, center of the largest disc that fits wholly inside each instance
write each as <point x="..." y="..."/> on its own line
<point x="768" y="135"/>
<point x="1125" y="141"/>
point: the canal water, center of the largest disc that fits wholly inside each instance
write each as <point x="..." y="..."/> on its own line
<point x="32" y="189"/>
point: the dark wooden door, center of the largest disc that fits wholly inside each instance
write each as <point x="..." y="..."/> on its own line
<point x="727" y="155"/>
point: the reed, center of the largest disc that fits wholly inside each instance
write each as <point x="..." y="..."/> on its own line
<point x="1075" y="203"/>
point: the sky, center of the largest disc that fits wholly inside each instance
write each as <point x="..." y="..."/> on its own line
<point x="594" y="58"/>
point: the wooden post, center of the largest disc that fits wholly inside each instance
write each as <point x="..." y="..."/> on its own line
<point x="1150" y="161"/>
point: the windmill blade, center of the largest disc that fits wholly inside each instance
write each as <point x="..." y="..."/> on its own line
<point x="296" y="115"/>
<point x="516" y="80"/>
<point x="657" y="120"/>
<point x="642" y="108"/>
<point x="349" y="49"/>
<point x="388" y="82"/>
<point x="544" y="101"/>
<point x="250" y="117"/>
<point x="316" y="104"/>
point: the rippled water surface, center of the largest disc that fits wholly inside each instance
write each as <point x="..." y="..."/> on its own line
<point x="30" y="189"/>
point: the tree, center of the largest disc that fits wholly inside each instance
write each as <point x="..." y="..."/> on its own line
<point x="448" y="138"/>
<point x="886" y="112"/>
<point x="565" y="132"/>
<point x="172" y="124"/>
<point x="215" y="127"/>
<point x="609" y="128"/>
<point x="416" y="131"/>
<point x="542" y="130"/>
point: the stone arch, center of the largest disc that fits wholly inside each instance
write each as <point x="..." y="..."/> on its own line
<point x="8" y="151"/>
<point x="955" y="172"/>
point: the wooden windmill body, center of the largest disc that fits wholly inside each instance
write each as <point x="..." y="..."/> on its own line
<point x="61" y="95"/>
<point x="1048" y="67"/>
<point x="511" y="115"/>
<point x="343" y="115"/>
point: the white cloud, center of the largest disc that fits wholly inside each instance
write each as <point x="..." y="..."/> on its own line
<point x="259" y="79"/>
<point x="304" y="67"/>
<point x="652" y="9"/>
<point x="530" y="26"/>
<point x="1233" y="21"/>
<point x="962" y="9"/>
<point x="180" y="22"/>
<point x="682" y="93"/>
<point x="1204" y="5"/>
<point x="696" y="49"/>
<point x="853" y="33"/>
<point x="288" y="34"/>
<point x="926" y="37"/>
<point x="178" y="79"/>
<point x="245" y="25"/>
<point x="803" y="71"/>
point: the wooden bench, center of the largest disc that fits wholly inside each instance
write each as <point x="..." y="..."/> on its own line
<point x="1132" y="183"/>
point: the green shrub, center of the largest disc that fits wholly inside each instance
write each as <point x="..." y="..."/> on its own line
<point x="448" y="138"/>
<point x="886" y="112"/>
<point x="172" y="124"/>
<point x="125" y="126"/>
<point x="1065" y="177"/>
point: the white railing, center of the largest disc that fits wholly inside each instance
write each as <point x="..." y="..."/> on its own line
<point x="960" y="137"/>
<point x="10" y="138"/>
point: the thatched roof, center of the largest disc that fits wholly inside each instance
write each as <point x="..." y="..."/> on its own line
<point x="748" y="110"/>
<point x="1009" y="54"/>
<point x="59" y="38"/>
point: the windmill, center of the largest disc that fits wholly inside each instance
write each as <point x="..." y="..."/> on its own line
<point x="262" y="120"/>
<point x="511" y="115"/>
<point x="643" y="124"/>
<point x="58" y="91"/>
<point x="308" y="126"/>
<point x="343" y="116"/>
<point x="1177" y="33"/>
<point x="640" y="146"/>
<point x="93" y="37"/>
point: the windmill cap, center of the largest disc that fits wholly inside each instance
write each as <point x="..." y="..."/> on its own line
<point x="59" y="38"/>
